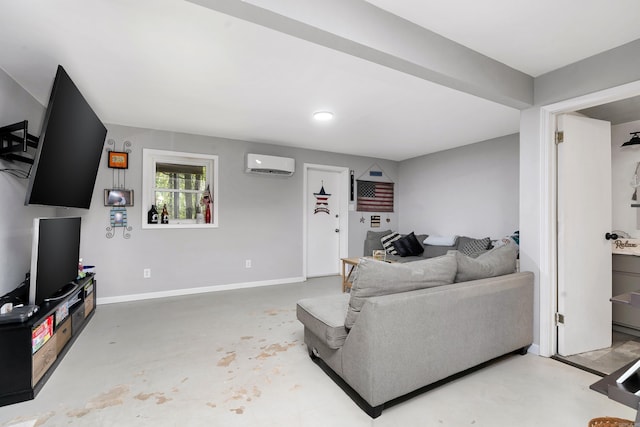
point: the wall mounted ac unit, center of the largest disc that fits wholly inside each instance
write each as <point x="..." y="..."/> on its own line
<point x="272" y="165"/>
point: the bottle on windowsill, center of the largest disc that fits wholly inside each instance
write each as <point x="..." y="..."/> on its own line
<point x="152" y="215"/>
<point x="199" y="215"/>
<point x="165" y="215"/>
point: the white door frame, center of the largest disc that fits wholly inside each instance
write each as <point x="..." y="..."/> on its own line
<point x="343" y="211"/>
<point x="548" y="237"/>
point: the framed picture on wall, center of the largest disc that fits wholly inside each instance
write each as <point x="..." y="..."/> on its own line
<point x="118" y="159"/>
<point x="118" y="197"/>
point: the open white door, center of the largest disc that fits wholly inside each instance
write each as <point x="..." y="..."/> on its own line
<point x="584" y="218"/>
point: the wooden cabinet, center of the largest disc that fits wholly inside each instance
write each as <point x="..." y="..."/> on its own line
<point x="43" y="359"/>
<point x="63" y="335"/>
<point x="626" y="278"/>
<point x="30" y="351"/>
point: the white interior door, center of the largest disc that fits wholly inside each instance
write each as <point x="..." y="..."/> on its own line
<point x="584" y="217"/>
<point x="324" y="194"/>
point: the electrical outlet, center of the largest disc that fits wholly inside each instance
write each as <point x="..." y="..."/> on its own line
<point x="247" y="263"/>
<point x="146" y="273"/>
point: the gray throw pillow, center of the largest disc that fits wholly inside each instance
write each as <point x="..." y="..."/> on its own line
<point x="372" y="242"/>
<point x="431" y="251"/>
<point x="475" y="247"/>
<point x="496" y="262"/>
<point x="376" y="278"/>
<point x="377" y="235"/>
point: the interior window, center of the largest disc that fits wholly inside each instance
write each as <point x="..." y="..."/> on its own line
<point x="186" y="183"/>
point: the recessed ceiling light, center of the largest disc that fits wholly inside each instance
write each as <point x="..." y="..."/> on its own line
<point x="323" y="116"/>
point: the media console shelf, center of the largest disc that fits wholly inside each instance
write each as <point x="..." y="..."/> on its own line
<point x="31" y="351"/>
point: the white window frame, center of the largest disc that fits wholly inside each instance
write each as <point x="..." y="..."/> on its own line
<point x="149" y="160"/>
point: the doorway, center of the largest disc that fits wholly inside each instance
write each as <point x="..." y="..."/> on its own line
<point x="624" y="325"/>
<point x="583" y="215"/>
<point x="326" y="204"/>
<point x="549" y="268"/>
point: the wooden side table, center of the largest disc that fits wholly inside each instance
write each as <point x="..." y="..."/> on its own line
<point x="353" y="262"/>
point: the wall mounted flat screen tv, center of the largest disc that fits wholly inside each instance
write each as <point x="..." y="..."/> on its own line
<point x="69" y="149"/>
<point x="55" y="253"/>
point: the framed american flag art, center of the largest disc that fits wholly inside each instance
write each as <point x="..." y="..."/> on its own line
<point x="375" y="196"/>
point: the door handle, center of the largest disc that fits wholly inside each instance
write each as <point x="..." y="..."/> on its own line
<point x="337" y="230"/>
<point x="611" y="236"/>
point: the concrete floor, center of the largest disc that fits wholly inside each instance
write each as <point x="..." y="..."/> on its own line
<point x="624" y="349"/>
<point x="237" y="358"/>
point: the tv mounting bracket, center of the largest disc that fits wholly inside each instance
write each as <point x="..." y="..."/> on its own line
<point x="15" y="138"/>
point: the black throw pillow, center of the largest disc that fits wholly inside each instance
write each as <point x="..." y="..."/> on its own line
<point x="408" y="246"/>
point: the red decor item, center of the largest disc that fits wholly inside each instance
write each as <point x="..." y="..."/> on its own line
<point x="207" y="213"/>
<point x="207" y="202"/>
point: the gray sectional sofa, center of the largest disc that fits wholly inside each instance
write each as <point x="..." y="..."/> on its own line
<point x="373" y="242"/>
<point x="405" y="326"/>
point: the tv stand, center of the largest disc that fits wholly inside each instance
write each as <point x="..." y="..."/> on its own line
<point x="30" y="351"/>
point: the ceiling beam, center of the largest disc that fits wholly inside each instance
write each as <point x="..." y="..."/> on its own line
<point x="362" y="30"/>
<point x="614" y="67"/>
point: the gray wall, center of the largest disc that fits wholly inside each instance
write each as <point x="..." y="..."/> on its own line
<point x="260" y="216"/>
<point x="260" y="219"/>
<point x="17" y="220"/>
<point x="470" y="190"/>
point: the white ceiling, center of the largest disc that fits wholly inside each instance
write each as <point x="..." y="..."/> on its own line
<point x="174" y="65"/>
<point x="617" y="112"/>
<point x="533" y="36"/>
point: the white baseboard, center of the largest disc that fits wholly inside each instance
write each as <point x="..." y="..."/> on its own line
<point x="192" y="291"/>
<point x="534" y="349"/>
